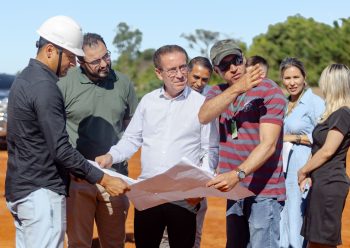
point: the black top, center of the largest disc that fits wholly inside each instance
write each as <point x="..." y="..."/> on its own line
<point x="334" y="168"/>
<point x="39" y="153"/>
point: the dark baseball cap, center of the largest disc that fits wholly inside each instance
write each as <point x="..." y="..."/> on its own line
<point x="223" y="48"/>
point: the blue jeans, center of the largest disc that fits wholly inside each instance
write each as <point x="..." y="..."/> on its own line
<point x="253" y="222"/>
<point x="40" y="219"/>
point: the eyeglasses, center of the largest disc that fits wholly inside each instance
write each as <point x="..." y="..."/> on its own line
<point x="172" y="72"/>
<point x="225" y="65"/>
<point x="97" y="62"/>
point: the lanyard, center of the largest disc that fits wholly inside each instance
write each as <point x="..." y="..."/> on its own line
<point x="234" y="109"/>
<point x="233" y="124"/>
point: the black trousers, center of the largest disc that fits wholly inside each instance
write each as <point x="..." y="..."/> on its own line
<point x="149" y="226"/>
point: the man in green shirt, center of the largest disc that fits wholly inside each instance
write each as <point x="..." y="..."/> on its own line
<point x="99" y="104"/>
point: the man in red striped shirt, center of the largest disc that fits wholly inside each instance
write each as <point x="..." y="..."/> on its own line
<point x="250" y="111"/>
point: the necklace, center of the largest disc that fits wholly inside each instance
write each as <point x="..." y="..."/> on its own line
<point x="292" y="105"/>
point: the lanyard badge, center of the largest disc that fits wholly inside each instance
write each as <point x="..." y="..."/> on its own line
<point x="233" y="122"/>
<point x="234" y="132"/>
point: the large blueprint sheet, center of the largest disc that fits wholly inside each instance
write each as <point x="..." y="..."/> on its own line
<point x="182" y="181"/>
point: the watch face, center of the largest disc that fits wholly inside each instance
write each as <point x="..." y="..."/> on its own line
<point x="241" y="174"/>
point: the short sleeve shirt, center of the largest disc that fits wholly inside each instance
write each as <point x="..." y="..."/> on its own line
<point x="333" y="169"/>
<point x="262" y="104"/>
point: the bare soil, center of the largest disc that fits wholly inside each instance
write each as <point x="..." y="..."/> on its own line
<point x="214" y="226"/>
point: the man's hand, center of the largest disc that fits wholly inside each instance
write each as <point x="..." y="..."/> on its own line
<point x="194" y="201"/>
<point x="250" y="79"/>
<point x="113" y="185"/>
<point x="105" y="161"/>
<point x="224" y="182"/>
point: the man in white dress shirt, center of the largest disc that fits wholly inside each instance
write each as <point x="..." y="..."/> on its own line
<point x="167" y="128"/>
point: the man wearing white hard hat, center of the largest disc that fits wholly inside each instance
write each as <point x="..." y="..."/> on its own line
<point x="40" y="156"/>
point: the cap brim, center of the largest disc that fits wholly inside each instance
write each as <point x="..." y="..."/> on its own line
<point x="222" y="55"/>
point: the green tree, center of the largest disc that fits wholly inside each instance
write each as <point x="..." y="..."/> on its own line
<point x="201" y="40"/>
<point x="310" y="41"/>
<point x="136" y="64"/>
<point x="342" y="34"/>
<point x="316" y="44"/>
<point x="127" y="41"/>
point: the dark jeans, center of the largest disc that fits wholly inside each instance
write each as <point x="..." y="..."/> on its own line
<point x="149" y="226"/>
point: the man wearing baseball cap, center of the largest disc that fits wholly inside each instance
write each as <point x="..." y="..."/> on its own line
<point x="250" y="112"/>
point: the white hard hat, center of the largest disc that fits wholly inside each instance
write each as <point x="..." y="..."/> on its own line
<point x="63" y="31"/>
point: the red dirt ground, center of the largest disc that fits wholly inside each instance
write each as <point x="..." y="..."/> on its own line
<point x="214" y="226"/>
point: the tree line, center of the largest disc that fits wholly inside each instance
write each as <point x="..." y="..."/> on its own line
<point x="316" y="44"/>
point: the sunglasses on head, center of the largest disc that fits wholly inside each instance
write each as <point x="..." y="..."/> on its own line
<point x="225" y="65"/>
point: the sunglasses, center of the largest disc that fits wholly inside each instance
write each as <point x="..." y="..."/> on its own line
<point x="225" y="65"/>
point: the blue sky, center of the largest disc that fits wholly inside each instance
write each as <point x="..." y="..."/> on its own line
<point x="161" y="22"/>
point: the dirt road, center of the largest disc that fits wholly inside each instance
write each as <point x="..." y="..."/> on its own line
<point x="214" y="226"/>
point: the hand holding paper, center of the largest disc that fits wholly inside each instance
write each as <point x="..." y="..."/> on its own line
<point x="183" y="181"/>
<point x="224" y="182"/>
<point x="105" y="161"/>
<point x="113" y="185"/>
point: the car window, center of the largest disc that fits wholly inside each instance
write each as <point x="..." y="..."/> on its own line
<point x="6" y="81"/>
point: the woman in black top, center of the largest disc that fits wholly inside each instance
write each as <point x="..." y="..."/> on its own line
<point x="326" y="168"/>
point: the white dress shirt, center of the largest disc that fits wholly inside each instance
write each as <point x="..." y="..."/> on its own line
<point x="167" y="130"/>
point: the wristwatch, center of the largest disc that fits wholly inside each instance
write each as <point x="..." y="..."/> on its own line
<point x="240" y="174"/>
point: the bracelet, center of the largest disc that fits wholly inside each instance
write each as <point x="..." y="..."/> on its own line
<point x="298" y="140"/>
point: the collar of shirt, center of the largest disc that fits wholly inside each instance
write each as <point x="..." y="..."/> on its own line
<point x="83" y="78"/>
<point x="305" y="98"/>
<point x="37" y="64"/>
<point x="183" y="95"/>
<point x="304" y="116"/>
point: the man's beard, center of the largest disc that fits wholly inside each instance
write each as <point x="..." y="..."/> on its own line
<point x="99" y="75"/>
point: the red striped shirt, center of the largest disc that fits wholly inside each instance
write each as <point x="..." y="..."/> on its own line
<point x="262" y="104"/>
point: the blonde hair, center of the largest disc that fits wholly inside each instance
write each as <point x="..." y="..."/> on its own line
<point x="335" y="85"/>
